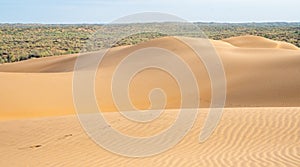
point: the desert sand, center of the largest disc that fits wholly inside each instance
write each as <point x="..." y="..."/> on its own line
<point x="244" y="137"/>
<point x="259" y="73"/>
<point x="259" y="127"/>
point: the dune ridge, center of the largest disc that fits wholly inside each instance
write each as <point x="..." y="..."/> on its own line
<point x="250" y="41"/>
<point x="256" y="77"/>
<point x="65" y="63"/>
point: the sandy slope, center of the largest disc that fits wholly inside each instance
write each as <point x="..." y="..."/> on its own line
<point x="259" y="72"/>
<point x="244" y="137"/>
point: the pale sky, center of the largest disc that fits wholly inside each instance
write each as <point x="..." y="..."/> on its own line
<point x="105" y="11"/>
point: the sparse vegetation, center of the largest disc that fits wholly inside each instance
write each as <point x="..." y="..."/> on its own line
<point x="24" y="41"/>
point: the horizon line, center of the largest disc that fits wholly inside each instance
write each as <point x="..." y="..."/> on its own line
<point x="208" y="22"/>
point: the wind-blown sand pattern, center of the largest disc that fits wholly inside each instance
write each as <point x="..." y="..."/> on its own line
<point x="244" y="137"/>
<point x="38" y="126"/>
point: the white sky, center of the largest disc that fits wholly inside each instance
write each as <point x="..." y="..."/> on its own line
<point x="102" y="11"/>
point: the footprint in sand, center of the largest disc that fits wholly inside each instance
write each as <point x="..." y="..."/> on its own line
<point x="31" y="147"/>
<point x="65" y="136"/>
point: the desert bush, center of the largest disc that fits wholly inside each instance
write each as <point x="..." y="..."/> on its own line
<point x="24" y="41"/>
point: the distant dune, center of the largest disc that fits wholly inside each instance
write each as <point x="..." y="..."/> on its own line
<point x="258" y="42"/>
<point x="259" y="72"/>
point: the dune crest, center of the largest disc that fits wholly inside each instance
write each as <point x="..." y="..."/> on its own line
<point x="250" y="41"/>
<point x="256" y="77"/>
<point x="65" y="63"/>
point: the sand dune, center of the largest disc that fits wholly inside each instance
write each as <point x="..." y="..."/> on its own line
<point x="259" y="72"/>
<point x="258" y="42"/>
<point x="244" y="137"/>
